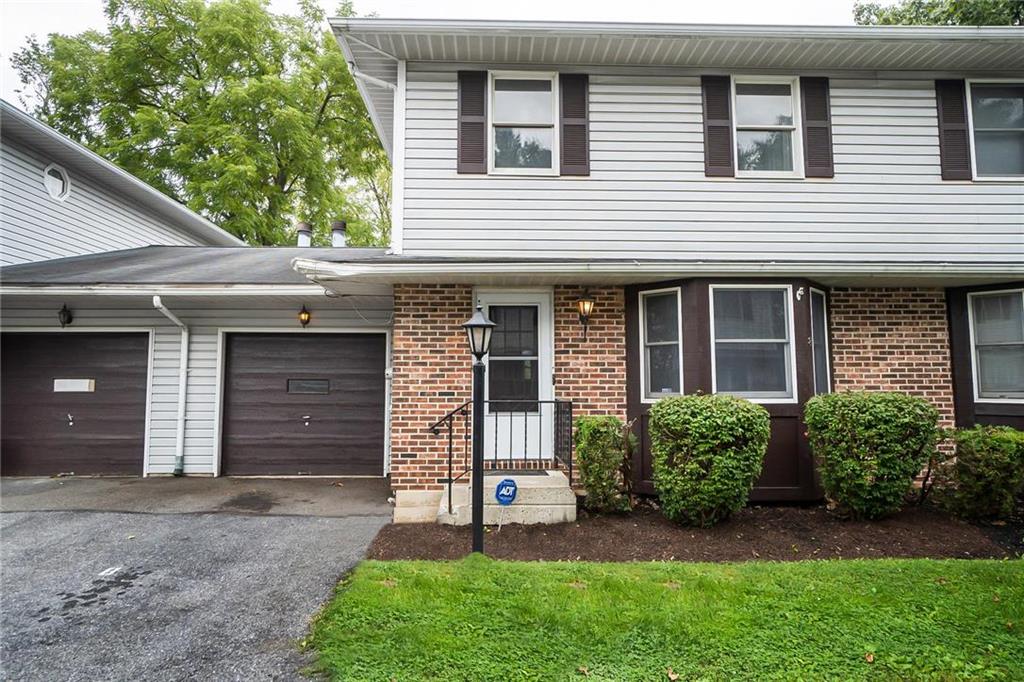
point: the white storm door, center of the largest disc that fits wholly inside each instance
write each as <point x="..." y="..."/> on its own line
<point x="519" y="419"/>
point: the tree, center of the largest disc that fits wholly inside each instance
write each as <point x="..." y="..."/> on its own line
<point x="248" y="117"/>
<point x="941" y="13"/>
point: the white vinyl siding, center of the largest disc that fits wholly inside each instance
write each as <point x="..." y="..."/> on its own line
<point x="647" y="196"/>
<point x="90" y="219"/>
<point x="205" y="322"/>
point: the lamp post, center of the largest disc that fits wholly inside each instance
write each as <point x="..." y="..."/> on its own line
<point x="478" y="331"/>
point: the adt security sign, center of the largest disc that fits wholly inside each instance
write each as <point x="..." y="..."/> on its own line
<point x="505" y="493"/>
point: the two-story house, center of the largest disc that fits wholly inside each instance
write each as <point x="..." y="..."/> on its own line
<point x="644" y="211"/>
<point x="772" y="212"/>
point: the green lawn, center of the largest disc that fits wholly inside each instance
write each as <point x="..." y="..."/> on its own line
<point x="480" y="619"/>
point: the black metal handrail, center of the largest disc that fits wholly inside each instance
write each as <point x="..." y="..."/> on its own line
<point x="515" y="432"/>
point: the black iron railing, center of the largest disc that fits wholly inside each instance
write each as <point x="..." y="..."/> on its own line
<point x="518" y="434"/>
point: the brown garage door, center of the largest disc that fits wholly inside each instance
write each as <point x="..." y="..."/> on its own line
<point x="73" y="402"/>
<point x="304" y="404"/>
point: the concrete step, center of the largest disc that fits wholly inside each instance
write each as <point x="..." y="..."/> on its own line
<point x="546" y="498"/>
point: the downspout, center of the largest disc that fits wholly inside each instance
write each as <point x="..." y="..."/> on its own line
<point x="179" y="446"/>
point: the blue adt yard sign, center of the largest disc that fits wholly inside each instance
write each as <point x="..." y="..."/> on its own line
<point x="505" y="493"/>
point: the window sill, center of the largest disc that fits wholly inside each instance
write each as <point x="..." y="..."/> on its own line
<point x="1010" y="179"/>
<point x="518" y="174"/>
<point x="1000" y="401"/>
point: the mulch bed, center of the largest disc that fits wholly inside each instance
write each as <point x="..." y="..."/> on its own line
<point x="756" y="533"/>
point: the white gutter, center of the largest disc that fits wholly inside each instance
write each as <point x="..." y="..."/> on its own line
<point x="212" y="290"/>
<point x="179" y="446"/>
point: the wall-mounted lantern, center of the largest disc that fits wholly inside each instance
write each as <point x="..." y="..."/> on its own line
<point x="585" y="307"/>
<point x="305" y="316"/>
<point x="64" y="316"/>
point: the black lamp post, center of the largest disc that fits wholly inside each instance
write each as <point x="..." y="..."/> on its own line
<point x="478" y="331"/>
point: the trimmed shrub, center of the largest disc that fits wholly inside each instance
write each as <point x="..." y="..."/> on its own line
<point x="603" y="448"/>
<point x="708" y="451"/>
<point x="987" y="475"/>
<point x="869" y="447"/>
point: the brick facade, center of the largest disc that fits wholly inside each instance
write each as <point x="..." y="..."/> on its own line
<point x="432" y="369"/>
<point x="893" y="340"/>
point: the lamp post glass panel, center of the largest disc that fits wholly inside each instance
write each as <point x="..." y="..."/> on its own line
<point x="478" y="333"/>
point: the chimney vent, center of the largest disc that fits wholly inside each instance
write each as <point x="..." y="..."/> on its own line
<point x="303" y="234"/>
<point x="338" y="234"/>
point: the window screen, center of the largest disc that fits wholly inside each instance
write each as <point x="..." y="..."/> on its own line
<point x="997" y="115"/>
<point x="752" y="344"/>
<point x="998" y="321"/>
<point x="661" y="344"/>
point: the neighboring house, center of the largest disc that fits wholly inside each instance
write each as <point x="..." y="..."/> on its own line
<point x="60" y="199"/>
<point x="772" y="212"/>
<point x="93" y="379"/>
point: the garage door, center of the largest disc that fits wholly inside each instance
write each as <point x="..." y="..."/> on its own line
<point x="304" y="404"/>
<point x="73" y="402"/>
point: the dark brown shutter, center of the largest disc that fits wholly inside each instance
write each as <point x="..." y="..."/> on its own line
<point x="574" y="153"/>
<point x="817" y="122"/>
<point x="954" y="138"/>
<point x="717" y="94"/>
<point x="472" y="147"/>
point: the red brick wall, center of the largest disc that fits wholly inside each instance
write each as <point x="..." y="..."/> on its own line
<point x="431" y="374"/>
<point x="893" y="340"/>
<point x="432" y="369"/>
<point x="591" y="373"/>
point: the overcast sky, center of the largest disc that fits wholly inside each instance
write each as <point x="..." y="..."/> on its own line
<point x="22" y="18"/>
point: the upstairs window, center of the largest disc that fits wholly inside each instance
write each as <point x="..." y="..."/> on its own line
<point x="767" y="123"/>
<point x="55" y="180"/>
<point x="997" y="125"/>
<point x="997" y="335"/>
<point x="523" y="131"/>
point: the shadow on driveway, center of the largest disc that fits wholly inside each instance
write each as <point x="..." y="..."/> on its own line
<point x="170" y="579"/>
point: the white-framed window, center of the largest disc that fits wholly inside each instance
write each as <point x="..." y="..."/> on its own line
<point x="819" y="342"/>
<point x="523" y="125"/>
<point x="995" y="111"/>
<point x="661" y="344"/>
<point x="56" y="182"/>
<point x="766" y="127"/>
<point x="752" y="352"/>
<point x="997" y="344"/>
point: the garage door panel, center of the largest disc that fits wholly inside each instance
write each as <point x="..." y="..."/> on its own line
<point x="304" y="404"/>
<point x="105" y="433"/>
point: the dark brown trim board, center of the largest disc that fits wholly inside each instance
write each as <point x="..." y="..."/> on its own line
<point x="789" y="470"/>
<point x="968" y="410"/>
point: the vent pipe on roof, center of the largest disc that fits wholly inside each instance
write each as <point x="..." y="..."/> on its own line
<point x="303" y="234"/>
<point x="339" y="237"/>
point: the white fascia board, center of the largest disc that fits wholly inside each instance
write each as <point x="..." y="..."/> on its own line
<point x="655" y="30"/>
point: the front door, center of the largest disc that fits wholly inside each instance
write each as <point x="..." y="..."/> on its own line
<point x="518" y="423"/>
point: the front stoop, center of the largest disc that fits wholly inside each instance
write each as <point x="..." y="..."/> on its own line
<point x="540" y="499"/>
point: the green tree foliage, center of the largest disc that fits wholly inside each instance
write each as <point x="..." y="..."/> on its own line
<point x="941" y="13"/>
<point x="248" y="117"/>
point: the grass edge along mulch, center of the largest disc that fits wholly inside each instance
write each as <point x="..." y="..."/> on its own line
<point x="480" y="619"/>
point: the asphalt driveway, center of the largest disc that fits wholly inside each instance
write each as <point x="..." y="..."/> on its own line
<point x="172" y="579"/>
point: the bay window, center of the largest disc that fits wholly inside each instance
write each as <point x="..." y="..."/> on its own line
<point x="523" y="134"/>
<point x="997" y="339"/>
<point x="767" y="127"/>
<point x="661" y="344"/>
<point x="997" y="127"/>
<point x="751" y="334"/>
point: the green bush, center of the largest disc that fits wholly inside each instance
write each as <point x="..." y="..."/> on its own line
<point x="987" y="475"/>
<point x="603" y="448"/>
<point x="869" y="447"/>
<point x="707" y="452"/>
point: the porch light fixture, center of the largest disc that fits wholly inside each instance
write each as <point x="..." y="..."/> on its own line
<point x="478" y="331"/>
<point x="64" y="316"/>
<point x="305" y="316"/>
<point x="585" y="306"/>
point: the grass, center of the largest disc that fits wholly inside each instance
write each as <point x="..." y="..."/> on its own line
<point x="480" y="619"/>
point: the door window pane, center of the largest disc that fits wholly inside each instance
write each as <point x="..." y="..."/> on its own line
<point x="515" y="331"/>
<point x="819" y="343"/>
<point x="661" y="345"/>
<point x="752" y="343"/>
<point x="997" y="114"/>
<point x="764" y="104"/>
<point x="522" y="147"/>
<point x="522" y="101"/>
<point x="512" y="365"/>
<point x="998" y="323"/>
<point x="513" y="381"/>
